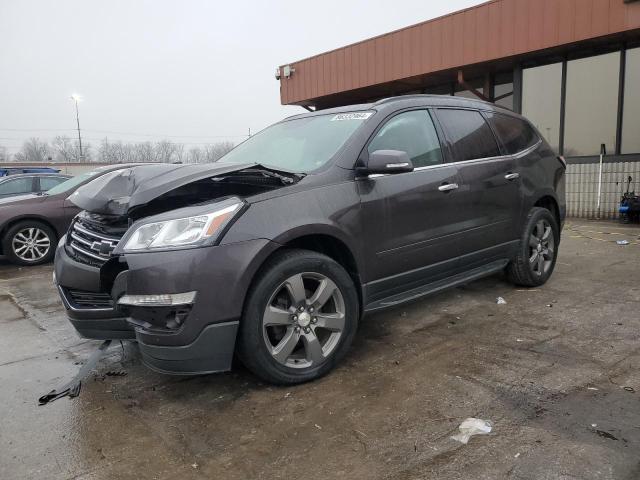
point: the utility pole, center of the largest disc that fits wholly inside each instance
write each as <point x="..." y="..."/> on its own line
<point x="77" y="98"/>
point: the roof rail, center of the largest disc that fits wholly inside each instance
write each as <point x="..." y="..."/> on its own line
<point x="426" y="95"/>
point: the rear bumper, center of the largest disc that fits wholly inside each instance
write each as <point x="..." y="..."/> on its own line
<point x="202" y="339"/>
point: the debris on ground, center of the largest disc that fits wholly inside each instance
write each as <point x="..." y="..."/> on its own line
<point x="622" y="242"/>
<point x="72" y="387"/>
<point x="603" y="434"/>
<point x="470" y="427"/>
<point x="501" y="301"/>
<point x="629" y="389"/>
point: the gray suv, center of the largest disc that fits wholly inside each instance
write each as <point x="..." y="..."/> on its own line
<point x="276" y="251"/>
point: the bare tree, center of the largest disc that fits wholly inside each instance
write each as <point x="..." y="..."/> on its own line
<point x="63" y="149"/>
<point x="34" y="150"/>
<point x="213" y="152"/>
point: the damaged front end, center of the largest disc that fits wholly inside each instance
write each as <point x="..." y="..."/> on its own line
<point x="131" y="264"/>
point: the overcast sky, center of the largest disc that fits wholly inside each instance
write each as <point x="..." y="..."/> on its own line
<point x="190" y="71"/>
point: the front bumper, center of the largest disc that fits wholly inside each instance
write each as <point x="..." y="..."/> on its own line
<point x="197" y="339"/>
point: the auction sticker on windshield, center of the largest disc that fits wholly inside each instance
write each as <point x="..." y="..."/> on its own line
<point x="352" y="116"/>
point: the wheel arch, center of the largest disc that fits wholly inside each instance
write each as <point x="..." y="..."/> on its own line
<point x="317" y="241"/>
<point x="550" y="203"/>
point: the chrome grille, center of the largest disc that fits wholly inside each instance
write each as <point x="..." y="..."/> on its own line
<point x="90" y="245"/>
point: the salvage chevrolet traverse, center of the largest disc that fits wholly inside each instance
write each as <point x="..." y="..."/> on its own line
<point x="276" y="251"/>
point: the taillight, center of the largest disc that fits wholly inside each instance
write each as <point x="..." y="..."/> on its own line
<point x="562" y="161"/>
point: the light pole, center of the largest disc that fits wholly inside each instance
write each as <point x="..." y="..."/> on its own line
<point x="77" y="98"/>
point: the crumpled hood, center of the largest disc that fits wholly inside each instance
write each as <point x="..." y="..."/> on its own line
<point x="117" y="192"/>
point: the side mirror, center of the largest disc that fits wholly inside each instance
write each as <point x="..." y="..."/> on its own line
<point x="388" y="161"/>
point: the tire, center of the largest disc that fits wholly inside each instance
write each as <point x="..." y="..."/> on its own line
<point x="29" y="243"/>
<point x="278" y="341"/>
<point x="537" y="252"/>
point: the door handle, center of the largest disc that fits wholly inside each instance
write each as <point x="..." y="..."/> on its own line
<point x="447" y="187"/>
<point x="512" y="176"/>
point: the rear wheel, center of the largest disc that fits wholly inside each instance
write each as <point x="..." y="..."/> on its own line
<point x="538" y="250"/>
<point x="29" y="243"/>
<point x="300" y="318"/>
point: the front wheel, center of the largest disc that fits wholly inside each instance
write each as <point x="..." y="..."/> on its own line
<point x="29" y="243"/>
<point x="300" y="318"/>
<point x="538" y="250"/>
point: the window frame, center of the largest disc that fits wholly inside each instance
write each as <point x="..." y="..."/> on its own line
<point x="363" y="158"/>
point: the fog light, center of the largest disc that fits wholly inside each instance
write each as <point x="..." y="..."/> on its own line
<point x="160" y="300"/>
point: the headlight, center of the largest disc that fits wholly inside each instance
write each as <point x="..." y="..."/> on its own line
<point x="180" y="232"/>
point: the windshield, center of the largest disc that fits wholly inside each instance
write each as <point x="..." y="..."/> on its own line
<point x="73" y="182"/>
<point x="301" y="145"/>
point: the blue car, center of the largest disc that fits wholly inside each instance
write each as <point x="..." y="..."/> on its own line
<point x="4" y="172"/>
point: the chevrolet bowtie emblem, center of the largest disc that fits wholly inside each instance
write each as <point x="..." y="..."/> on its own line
<point x="105" y="248"/>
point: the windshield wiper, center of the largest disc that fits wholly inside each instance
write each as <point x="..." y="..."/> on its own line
<point x="287" y="180"/>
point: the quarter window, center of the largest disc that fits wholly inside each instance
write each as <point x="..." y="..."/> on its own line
<point x="49" y="182"/>
<point x="516" y="135"/>
<point x="412" y="132"/>
<point x="469" y="134"/>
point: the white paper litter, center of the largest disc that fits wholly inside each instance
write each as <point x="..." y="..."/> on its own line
<point x="501" y="301"/>
<point x="471" y="427"/>
<point x="622" y="242"/>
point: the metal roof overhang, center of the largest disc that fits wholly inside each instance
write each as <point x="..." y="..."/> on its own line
<point x="489" y="38"/>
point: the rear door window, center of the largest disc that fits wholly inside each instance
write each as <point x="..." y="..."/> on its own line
<point x="469" y="134"/>
<point x="412" y="132"/>
<point x="515" y="134"/>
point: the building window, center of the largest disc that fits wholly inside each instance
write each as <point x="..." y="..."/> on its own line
<point x="541" y="98"/>
<point x="439" y="89"/>
<point x="477" y="84"/>
<point x="503" y="90"/>
<point x="591" y="104"/>
<point x="631" y="117"/>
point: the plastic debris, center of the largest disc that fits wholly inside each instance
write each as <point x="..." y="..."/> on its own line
<point x="622" y="242"/>
<point x="516" y="455"/>
<point x="629" y="389"/>
<point x="471" y="427"/>
<point x="592" y="388"/>
<point x="501" y="301"/>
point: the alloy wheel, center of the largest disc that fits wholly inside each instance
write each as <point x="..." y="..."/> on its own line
<point x="304" y="320"/>
<point x="541" y="248"/>
<point x="31" y="244"/>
